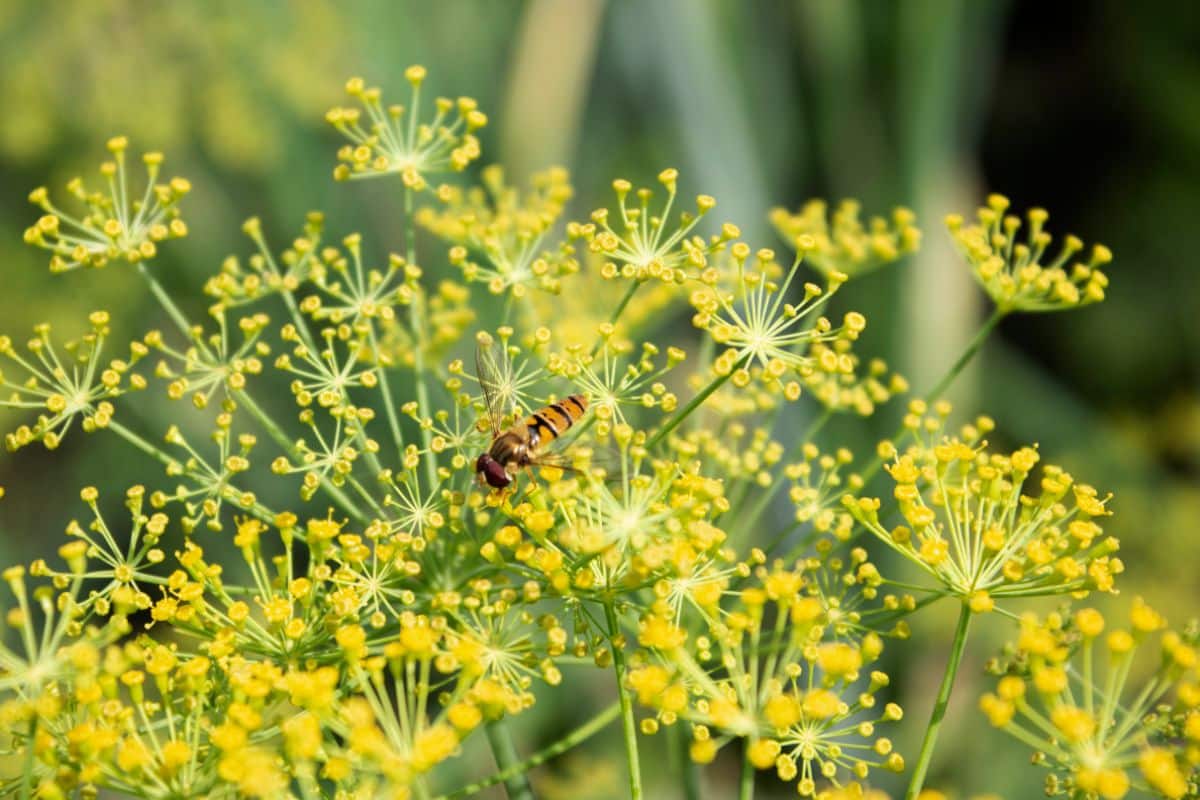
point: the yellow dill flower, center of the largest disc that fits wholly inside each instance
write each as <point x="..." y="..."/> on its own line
<point x="262" y="274"/>
<point x="817" y="485"/>
<point x="971" y="524"/>
<point x="792" y="695"/>
<point x="394" y="140"/>
<point x="840" y="243"/>
<point x="614" y="379"/>
<point x="857" y="791"/>
<point x="841" y="383"/>
<point x="756" y="323"/>
<point x="642" y="244"/>
<point x="210" y="482"/>
<point x="255" y="771"/>
<point x="845" y="594"/>
<point x="117" y="224"/>
<point x="1020" y="275"/>
<point x="649" y="521"/>
<point x="77" y="384"/>
<point x="1069" y="695"/>
<point x="499" y="235"/>
<point x="353" y="294"/>
<point x="122" y="559"/>
<point x="211" y="363"/>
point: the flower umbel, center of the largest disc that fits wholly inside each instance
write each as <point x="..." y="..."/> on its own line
<point x="971" y="524"/>
<point x="757" y="324"/>
<point x="841" y="243"/>
<point x="1020" y="275"/>
<point x="77" y="384"/>
<point x="393" y="140"/>
<point x="117" y="224"/>
<point x="763" y="671"/>
<point x="499" y="234"/>
<point x="1068" y="694"/>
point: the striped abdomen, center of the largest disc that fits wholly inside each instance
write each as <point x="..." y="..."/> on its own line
<point x="548" y="423"/>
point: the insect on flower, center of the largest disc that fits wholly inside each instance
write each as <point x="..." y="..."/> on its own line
<point x="518" y="446"/>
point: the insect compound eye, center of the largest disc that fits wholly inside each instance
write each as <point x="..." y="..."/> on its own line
<point x="494" y="474"/>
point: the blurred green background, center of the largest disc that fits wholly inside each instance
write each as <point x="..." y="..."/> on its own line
<point x="1091" y="110"/>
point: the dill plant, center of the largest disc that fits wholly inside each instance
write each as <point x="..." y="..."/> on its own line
<point x="346" y="642"/>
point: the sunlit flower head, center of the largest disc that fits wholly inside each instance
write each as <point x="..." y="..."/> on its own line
<point x="642" y="243"/>
<point x="764" y="672"/>
<point x="1071" y="695"/>
<point x="972" y="521"/>
<point x="842" y="383"/>
<point x="120" y="222"/>
<point x="263" y="273"/>
<point x="500" y="234"/>
<point x="396" y="140"/>
<point x="616" y="379"/>
<point x="1022" y="275"/>
<point x="63" y="386"/>
<point x="757" y="321"/>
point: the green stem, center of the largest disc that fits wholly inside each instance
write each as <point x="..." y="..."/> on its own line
<point x="164" y="299"/>
<point x="967" y="355"/>
<point x="140" y="443"/>
<point x="516" y="784"/>
<point x="389" y="402"/>
<point x="620" y="309"/>
<point x="681" y="737"/>
<point x="939" y="706"/>
<point x="696" y="402"/>
<point x="572" y="739"/>
<point x="628" y="726"/>
<point x="746" y="785"/>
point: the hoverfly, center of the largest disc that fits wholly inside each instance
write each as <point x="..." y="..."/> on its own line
<point x="520" y="446"/>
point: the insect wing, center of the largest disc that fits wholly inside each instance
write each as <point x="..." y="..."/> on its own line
<point x="579" y="461"/>
<point x="488" y="364"/>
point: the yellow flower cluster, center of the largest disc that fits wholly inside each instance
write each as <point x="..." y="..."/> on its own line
<point x="119" y="224"/>
<point x="1069" y="695"/>
<point x="62" y="388"/>
<point x="647" y="522"/>
<point x="756" y="323"/>
<point x="971" y="525"/>
<point x="840" y="243"/>
<point x="498" y="234"/>
<point x="262" y="274"/>
<point x="642" y="245"/>
<point x="331" y="600"/>
<point x="614" y="380"/>
<point x="840" y="382"/>
<point x="394" y="140"/>
<point x="769" y="669"/>
<point x="1019" y="275"/>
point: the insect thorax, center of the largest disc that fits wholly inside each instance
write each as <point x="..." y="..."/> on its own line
<point x="514" y="446"/>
